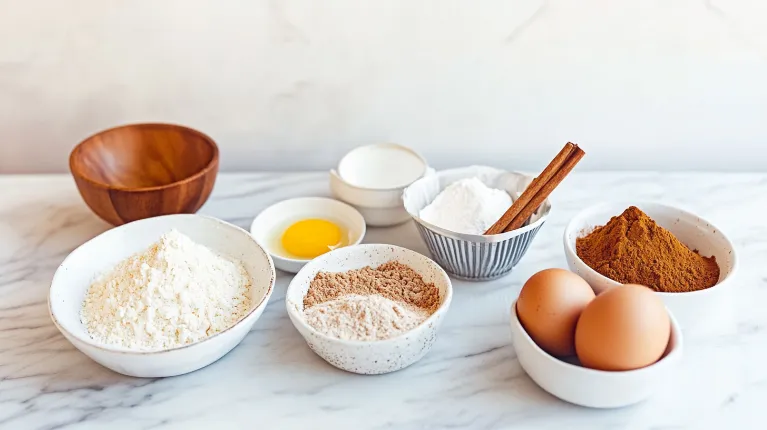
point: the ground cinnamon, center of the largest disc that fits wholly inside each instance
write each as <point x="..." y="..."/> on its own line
<point x="633" y="249"/>
<point x="393" y="280"/>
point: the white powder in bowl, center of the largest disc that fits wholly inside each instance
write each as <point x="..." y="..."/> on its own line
<point x="175" y="293"/>
<point x="467" y="206"/>
<point x="368" y="317"/>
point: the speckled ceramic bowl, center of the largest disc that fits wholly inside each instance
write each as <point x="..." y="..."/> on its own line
<point x="370" y="357"/>
<point x="77" y="272"/>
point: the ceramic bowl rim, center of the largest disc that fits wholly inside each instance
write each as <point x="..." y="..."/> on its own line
<point x="112" y="349"/>
<point x="337" y="169"/>
<point x="296" y="316"/>
<point x="479" y="238"/>
<point x="673" y="355"/>
<point x="306" y="260"/>
<point x="577" y="222"/>
<point x="211" y="165"/>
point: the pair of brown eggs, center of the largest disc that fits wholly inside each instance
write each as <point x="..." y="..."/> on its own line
<point x="623" y="328"/>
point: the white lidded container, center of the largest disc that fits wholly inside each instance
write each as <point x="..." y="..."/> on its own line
<point x="372" y="178"/>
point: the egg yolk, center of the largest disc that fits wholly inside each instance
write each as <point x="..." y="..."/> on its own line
<point x="311" y="238"/>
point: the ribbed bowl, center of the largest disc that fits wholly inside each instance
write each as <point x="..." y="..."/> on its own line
<point x="468" y="256"/>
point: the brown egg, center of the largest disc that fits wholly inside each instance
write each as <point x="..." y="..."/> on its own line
<point x="549" y="306"/>
<point x="624" y="328"/>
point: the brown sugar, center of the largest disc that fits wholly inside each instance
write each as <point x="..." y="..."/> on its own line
<point x="633" y="249"/>
<point x="393" y="280"/>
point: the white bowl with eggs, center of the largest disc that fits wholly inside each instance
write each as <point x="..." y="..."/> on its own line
<point x="698" y="312"/>
<point x="379" y="356"/>
<point x="589" y="387"/>
<point x="76" y="273"/>
<point x="371" y="178"/>
<point x="271" y="225"/>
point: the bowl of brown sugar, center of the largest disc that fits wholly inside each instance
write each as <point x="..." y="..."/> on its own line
<point x="688" y="261"/>
<point x="369" y="309"/>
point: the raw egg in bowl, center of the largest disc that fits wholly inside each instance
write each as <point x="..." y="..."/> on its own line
<point x="295" y="231"/>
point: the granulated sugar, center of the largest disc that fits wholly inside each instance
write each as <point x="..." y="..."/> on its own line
<point x="372" y="317"/>
<point x="175" y="293"/>
<point x="369" y="303"/>
<point x="467" y="206"/>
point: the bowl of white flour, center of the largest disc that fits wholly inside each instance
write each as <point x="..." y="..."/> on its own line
<point x="162" y="296"/>
<point x="453" y="208"/>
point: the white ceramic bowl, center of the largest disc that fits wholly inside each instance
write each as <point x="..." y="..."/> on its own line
<point x="369" y="357"/>
<point x="269" y="225"/>
<point x="379" y="216"/>
<point x="384" y="217"/>
<point x="380" y="203"/>
<point x="698" y="312"/>
<point x="84" y="264"/>
<point x="474" y="257"/>
<point x="588" y="387"/>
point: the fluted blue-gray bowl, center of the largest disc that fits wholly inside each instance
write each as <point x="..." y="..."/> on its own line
<point x="469" y="256"/>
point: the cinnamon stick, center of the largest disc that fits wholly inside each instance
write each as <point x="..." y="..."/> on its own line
<point x="546" y="190"/>
<point x="531" y="190"/>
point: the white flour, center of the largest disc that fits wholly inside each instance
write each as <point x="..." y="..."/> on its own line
<point x="467" y="206"/>
<point x="175" y="293"/>
<point x="370" y="317"/>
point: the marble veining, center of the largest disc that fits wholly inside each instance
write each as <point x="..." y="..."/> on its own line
<point x="469" y="380"/>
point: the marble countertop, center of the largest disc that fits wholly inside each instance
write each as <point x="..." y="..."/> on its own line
<point x="471" y="378"/>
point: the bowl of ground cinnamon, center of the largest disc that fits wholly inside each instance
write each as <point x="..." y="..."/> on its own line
<point x="684" y="258"/>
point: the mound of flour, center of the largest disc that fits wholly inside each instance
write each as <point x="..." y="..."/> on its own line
<point x="174" y="293"/>
<point x="467" y="206"/>
<point x="368" y="317"/>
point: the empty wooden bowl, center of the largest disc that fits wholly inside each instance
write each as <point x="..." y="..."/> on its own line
<point x="139" y="171"/>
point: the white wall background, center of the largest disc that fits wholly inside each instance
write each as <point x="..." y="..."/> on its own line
<point x="293" y="84"/>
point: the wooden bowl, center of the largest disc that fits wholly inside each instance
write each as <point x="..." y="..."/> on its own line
<point x="139" y="171"/>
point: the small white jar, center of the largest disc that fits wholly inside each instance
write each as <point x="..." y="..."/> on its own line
<point x="372" y="178"/>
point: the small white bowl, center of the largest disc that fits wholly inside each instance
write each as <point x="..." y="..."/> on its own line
<point x="365" y="179"/>
<point x="589" y="387"/>
<point x="698" y="312"/>
<point x="384" y="217"/>
<point x="474" y="257"/>
<point x="369" y="357"/>
<point x="84" y="264"/>
<point x="268" y="226"/>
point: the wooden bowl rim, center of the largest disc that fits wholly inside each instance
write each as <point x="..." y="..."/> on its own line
<point x="208" y="167"/>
